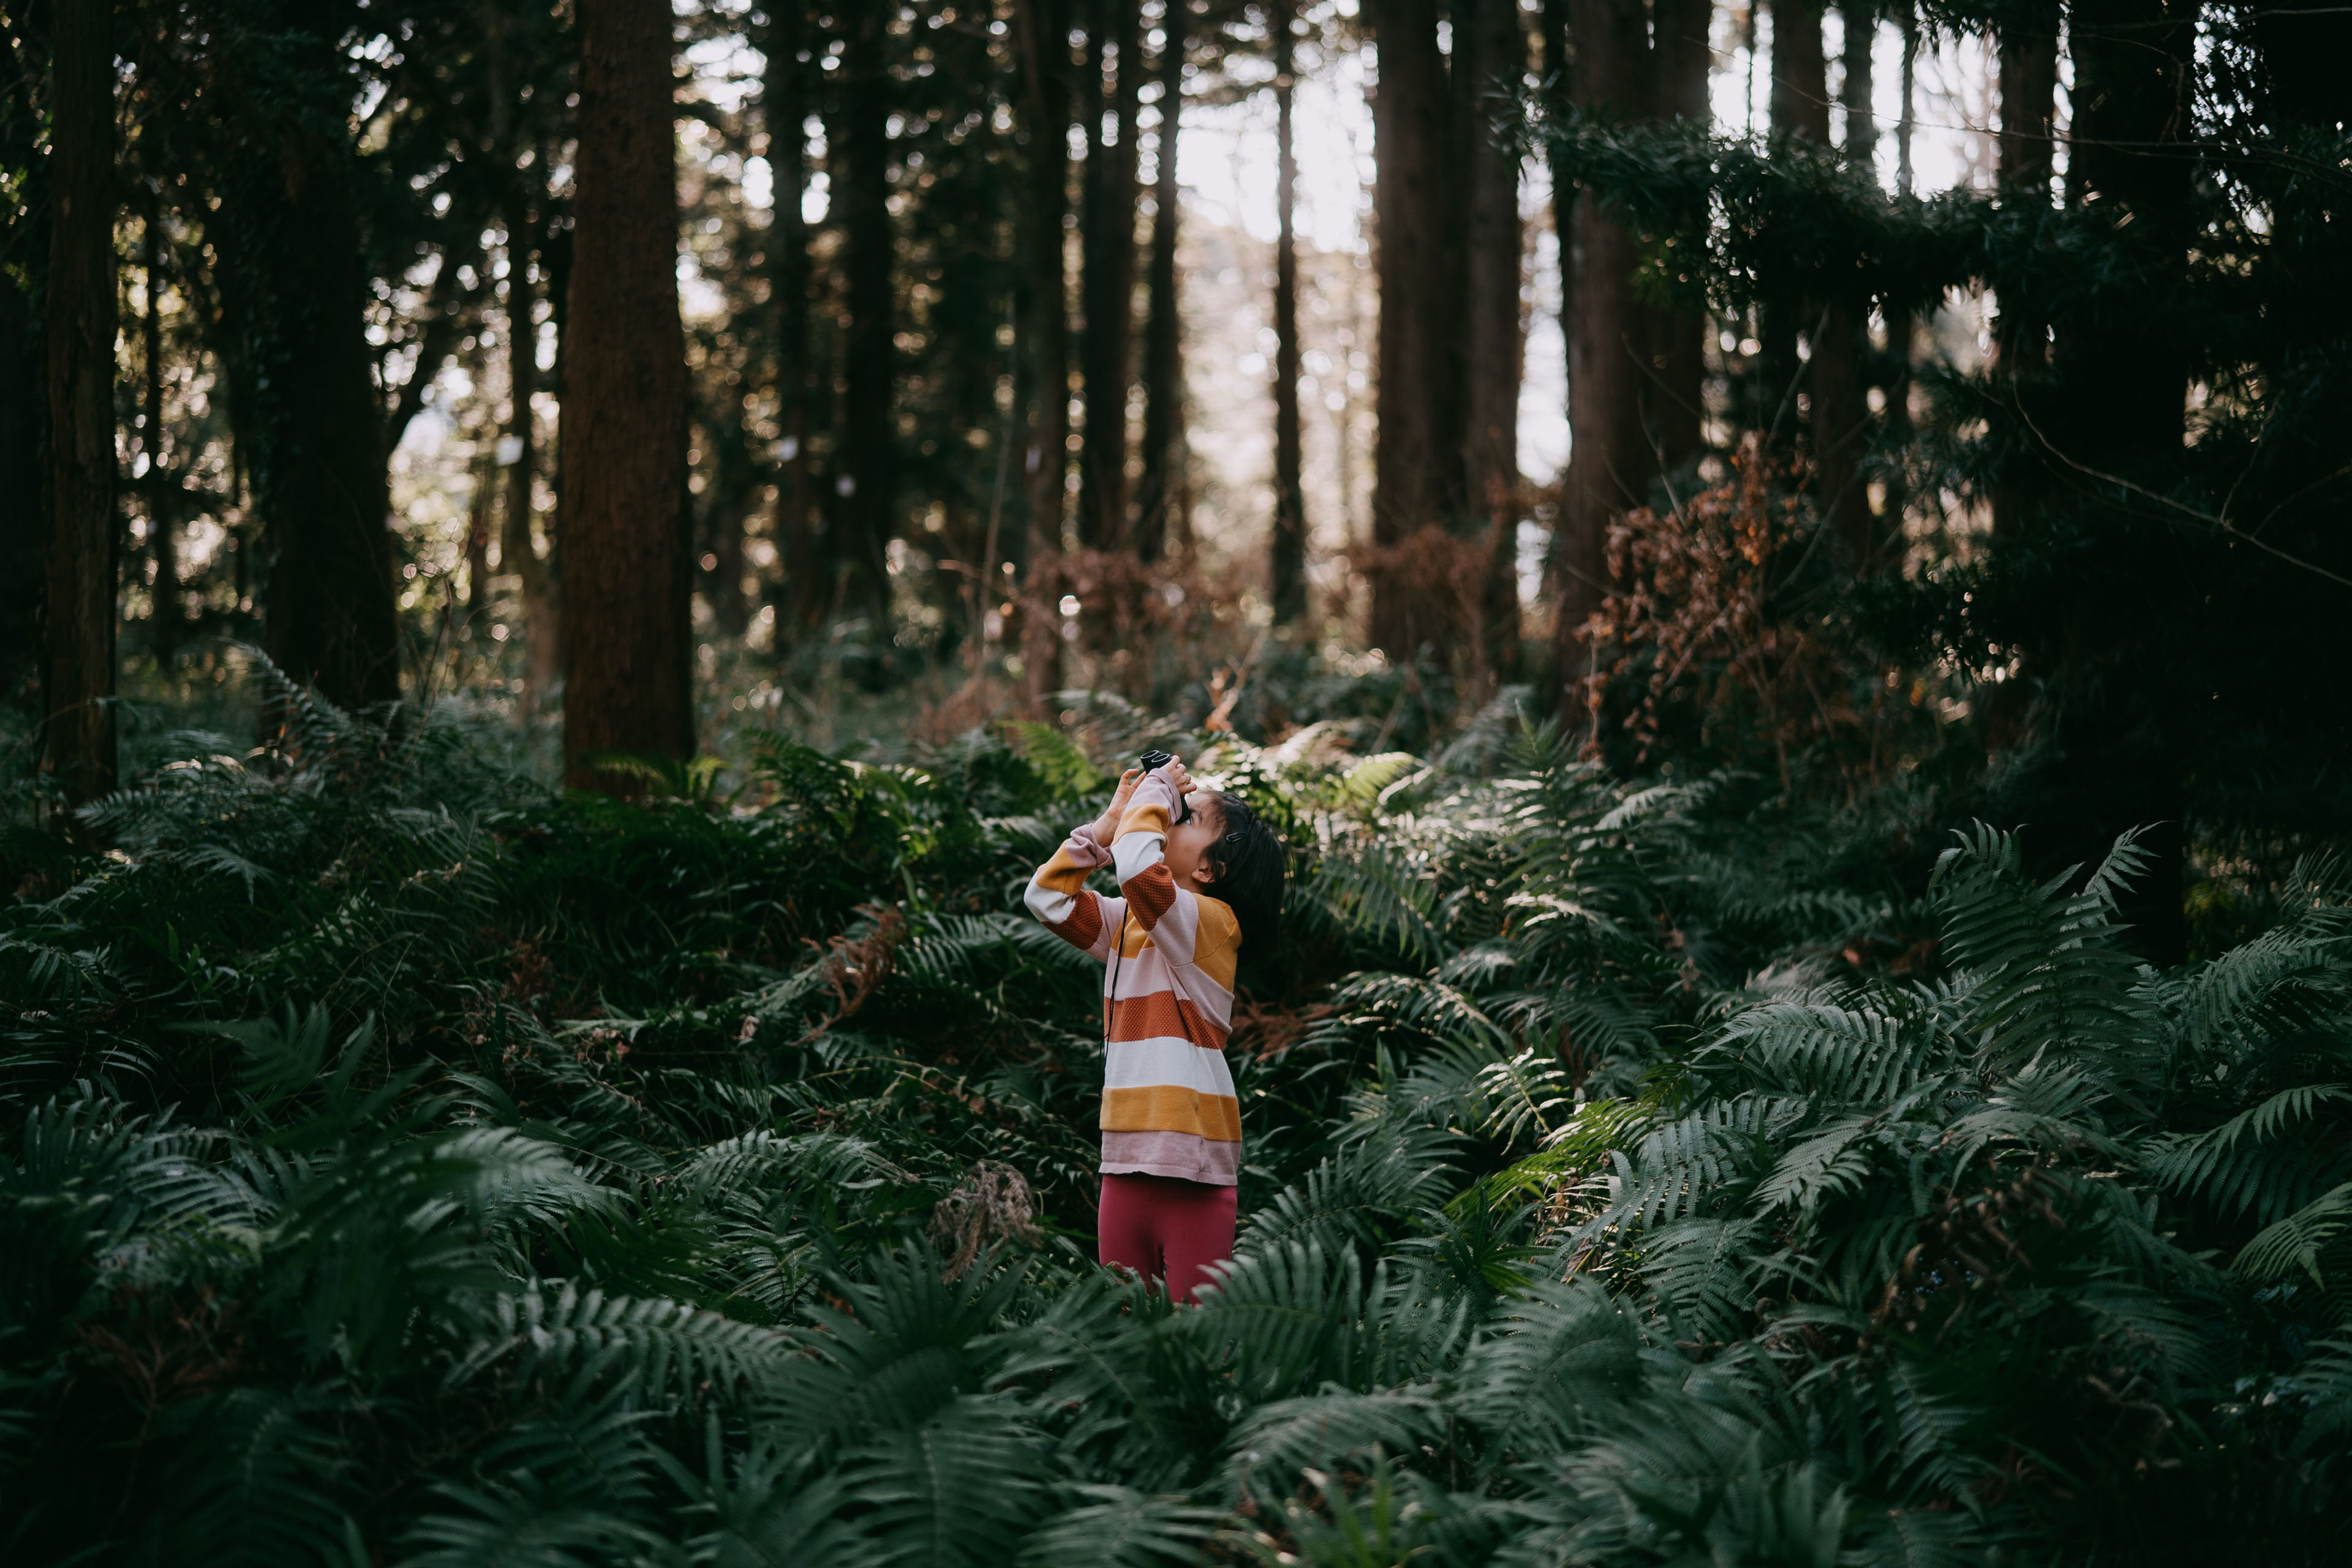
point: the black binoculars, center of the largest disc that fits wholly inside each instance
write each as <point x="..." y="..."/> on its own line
<point x="1156" y="758"/>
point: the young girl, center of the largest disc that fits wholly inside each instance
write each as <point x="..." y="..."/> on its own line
<point x="1197" y="873"/>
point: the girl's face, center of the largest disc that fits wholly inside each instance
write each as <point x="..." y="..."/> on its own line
<point x="1189" y="841"/>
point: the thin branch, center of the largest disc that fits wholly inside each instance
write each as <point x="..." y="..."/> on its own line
<point x="2223" y="523"/>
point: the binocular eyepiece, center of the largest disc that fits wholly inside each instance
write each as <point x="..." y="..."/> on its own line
<point x="1156" y="758"/>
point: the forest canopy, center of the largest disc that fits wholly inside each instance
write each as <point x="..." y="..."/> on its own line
<point x="1779" y="569"/>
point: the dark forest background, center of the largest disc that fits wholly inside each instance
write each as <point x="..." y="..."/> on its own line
<point x="559" y="562"/>
<point x="2027" y="491"/>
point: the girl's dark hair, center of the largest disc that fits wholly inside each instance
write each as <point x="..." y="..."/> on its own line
<point x="1248" y="861"/>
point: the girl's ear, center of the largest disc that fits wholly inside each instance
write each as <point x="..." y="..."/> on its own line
<point x="1202" y="875"/>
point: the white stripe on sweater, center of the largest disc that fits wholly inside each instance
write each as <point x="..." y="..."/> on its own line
<point x="1143" y="1064"/>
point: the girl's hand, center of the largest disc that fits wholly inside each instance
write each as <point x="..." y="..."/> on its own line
<point x="1107" y="825"/>
<point x="1178" y="777"/>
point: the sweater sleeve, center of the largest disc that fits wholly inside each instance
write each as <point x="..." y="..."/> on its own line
<point x="1058" y="896"/>
<point x="1170" y="913"/>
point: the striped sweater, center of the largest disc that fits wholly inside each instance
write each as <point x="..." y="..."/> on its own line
<point x="1168" y="1108"/>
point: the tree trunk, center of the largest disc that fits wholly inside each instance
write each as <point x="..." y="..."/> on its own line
<point x="1043" y="34"/>
<point x="1562" y="565"/>
<point x="310" y="428"/>
<point x="541" y="611"/>
<point x="1799" y="102"/>
<point x="628" y="641"/>
<point x="1907" y="124"/>
<point x="24" y="508"/>
<point x="1160" y="496"/>
<point x="807" y="594"/>
<point x="1490" y="59"/>
<point x="1675" y="401"/>
<point x="723" y="584"/>
<point x="2120" y="410"/>
<point x="1109" y="277"/>
<point x="1289" y="496"/>
<point x="1610" y="456"/>
<point x="2021" y="347"/>
<point x="1901" y="324"/>
<point x="77" y="686"/>
<point x="866" y="472"/>
<point x="478" y="545"/>
<point x="1799" y="107"/>
<point x="1410" y="459"/>
<point x="165" y="620"/>
<point x="1841" y="418"/>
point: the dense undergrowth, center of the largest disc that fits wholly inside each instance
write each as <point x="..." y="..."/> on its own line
<point x="403" y="1164"/>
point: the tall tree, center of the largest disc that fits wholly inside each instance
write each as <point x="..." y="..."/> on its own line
<point x="628" y="643"/>
<point x="1416" y="469"/>
<point x="2028" y="86"/>
<point x="1160" y="494"/>
<point x="535" y="578"/>
<point x="24" y="400"/>
<point x="783" y="105"/>
<point x="1901" y="323"/>
<point x="1840" y="414"/>
<point x="1675" y="403"/>
<point x="77" y="688"/>
<point x="2120" y="409"/>
<point x="1799" y="108"/>
<point x="165" y="617"/>
<point x="1043" y="42"/>
<point x="1610" y="456"/>
<point x="294" y="294"/>
<point x="866" y="468"/>
<point x="1114" y="55"/>
<point x="1289" y="573"/>
<point x="1490" y="62"/>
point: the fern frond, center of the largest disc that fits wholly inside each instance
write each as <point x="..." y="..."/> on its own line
<point x="1120" y="1527"/>
<point x="963" y="1488"/>
<point x="553" y="1329"/>
<point x="2299" y="1241"/>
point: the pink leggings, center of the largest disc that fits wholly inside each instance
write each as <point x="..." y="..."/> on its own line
<point x="1164" y="1228"/>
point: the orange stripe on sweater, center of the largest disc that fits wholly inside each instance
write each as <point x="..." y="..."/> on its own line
<point x="1085" y="923"/>
<point x="1151" y="893"/>
<point x="1163" y="1015"/>
<point x="1165" y="1107"/>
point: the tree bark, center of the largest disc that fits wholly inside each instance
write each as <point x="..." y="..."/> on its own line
<point x="1490" y="59"/>
<point x="628" y="643"/>
<point x="1043" y="34"/>
<point x="807" y="594"/>
<point x="1841" y="418"/>
<point x="518" y="555"/>
<point x="1160" y="496"/>
<point x="165" y="618"/>
<point x="1109" y="277"/>
<point x="2121" y="409"/>
<point x="1610" y="456"/>
<point x="478" y="543"/>
<point x="1901" y="324"/>
<point x="1675" y="401"/>
<point x="1411" y="458"/>
<point x="310" y="429"/>
<point x="1289" y="573"/>
<point x="866" y="466"/>
<point x="78" y="687"/>
<point x="24" y="508"/>
<point x="2028" y="78"/>
<point x="1798" y="101"/>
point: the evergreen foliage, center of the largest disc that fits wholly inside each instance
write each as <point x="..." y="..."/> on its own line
<point x="403" y="1164"/>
